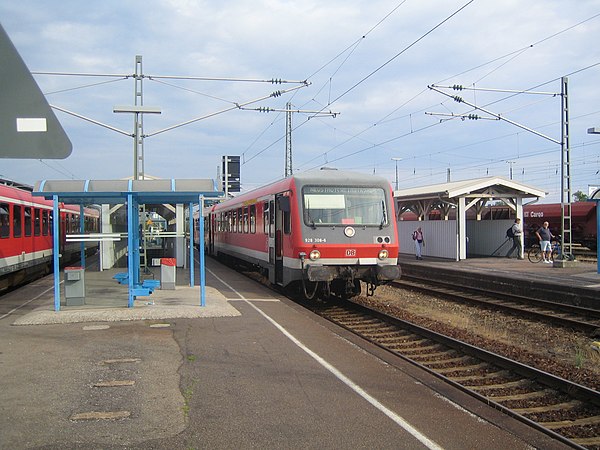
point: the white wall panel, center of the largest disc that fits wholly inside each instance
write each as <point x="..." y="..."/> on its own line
<point x="440" y="237"/>
<point x="488" y="236"/>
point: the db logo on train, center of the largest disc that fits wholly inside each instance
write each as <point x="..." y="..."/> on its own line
<point x="350" y="252"/>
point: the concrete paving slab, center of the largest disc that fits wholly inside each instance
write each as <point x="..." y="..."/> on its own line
<point x="180" y="303"/>
<point x="106" y="301"/>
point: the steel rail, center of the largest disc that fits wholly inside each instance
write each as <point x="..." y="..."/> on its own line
<point x="522" y="305"/>
<point x="573" y="390"/>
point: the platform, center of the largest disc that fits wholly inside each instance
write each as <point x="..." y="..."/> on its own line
<point x="271" y="376"/>
<point x="106" y="301"/>
<point x="578" y="284"/>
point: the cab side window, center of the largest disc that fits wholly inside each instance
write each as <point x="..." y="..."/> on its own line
<point x="28" y="211"/>
<point x="17" y="221"/>
<point x="4" y="220"/>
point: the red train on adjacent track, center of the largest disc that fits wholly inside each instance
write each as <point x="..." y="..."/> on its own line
<point x="318" y="233"/>
<point x="583" y="221"/>
<point x="26" y="234"/>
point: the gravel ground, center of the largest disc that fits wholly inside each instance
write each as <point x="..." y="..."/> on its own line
<point x="560" y="351"/>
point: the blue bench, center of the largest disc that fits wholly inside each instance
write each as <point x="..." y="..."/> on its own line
<point x="151" y="284"/>
<point x="146" y="288"/>
<point x="141" y="291"/>
<point x="121" y="277"/>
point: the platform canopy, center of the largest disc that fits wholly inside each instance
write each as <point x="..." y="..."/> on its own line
<point x="116" y="191"/>
<point x="131" y="193"/>
<point x="457" y="197"/>
<point x="422" y="198"/>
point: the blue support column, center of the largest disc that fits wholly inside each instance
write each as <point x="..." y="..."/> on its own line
<point x="191" y="227"/>
<point x="55" y="250"/>
<point x="133" y="247"/>
<point x="81" y="231"/>
<point x="201" y="250"/>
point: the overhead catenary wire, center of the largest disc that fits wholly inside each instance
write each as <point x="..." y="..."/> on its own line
<point x="385" y="63"/>
<point x="412" y="44"/>
<point x="352" y="47"/>
<point x="513" y="53"/>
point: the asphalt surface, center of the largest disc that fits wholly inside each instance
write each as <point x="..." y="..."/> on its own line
<point x="272" y="376"/>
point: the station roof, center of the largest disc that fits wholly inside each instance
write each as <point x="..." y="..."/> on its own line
<point x="116" y="191"/>
<point x="494" y="187"/>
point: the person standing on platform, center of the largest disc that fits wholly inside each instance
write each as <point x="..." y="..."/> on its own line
<point x="517" y="232"/>
<point x="544" y="235"/>
<point x="419" y="242"/>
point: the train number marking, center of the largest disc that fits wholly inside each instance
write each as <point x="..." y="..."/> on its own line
<point x="316" y="240"/>
<point x="350" y="252"/>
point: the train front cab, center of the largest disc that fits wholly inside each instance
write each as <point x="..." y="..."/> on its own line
<point x="328" y="238"/>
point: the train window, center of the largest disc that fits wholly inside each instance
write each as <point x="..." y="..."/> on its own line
<point x="245" y="222"/>
<point x="239" y="220"/>
<point x="252" y="218"/>
<point x="65" y="223"/>
<point x="266" y="217"/>
<point x="17" y="221"/>
<point x="4" y="220"/>
<point x="44" y="222"/>
<point x="36" y="222"/>
<point x="287" y="222"/>
<point x="234" y="221"/>
<point x="342" y="205"/>
<point x="28" y="221"/>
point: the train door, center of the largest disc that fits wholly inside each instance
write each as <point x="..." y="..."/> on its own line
<point x="282" y="207"/>
<point x="212" y="229"/>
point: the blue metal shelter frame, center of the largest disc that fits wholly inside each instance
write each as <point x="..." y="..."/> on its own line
<point x="134" y="193"/>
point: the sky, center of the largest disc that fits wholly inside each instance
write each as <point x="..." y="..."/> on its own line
<point x="384" y="68"/>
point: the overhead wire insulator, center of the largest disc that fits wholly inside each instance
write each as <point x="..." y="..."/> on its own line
<point x="458" y="99"/>
<point x="276" y="81"/>
<point x="457" y="87"/>
<point x="276" y="94"/>
<point x="473" y="116"/>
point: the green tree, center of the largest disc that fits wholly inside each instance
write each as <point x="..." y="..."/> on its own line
<point x="580" y="196"/>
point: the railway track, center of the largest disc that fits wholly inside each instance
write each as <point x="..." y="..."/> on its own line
<point x="578" y="318"/>
<point x="566" y="411"/>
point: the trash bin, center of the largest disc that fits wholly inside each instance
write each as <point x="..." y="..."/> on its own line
<point x="74" y="286"/>
<point x="167" y="273"/>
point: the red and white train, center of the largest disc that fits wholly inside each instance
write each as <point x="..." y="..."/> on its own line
<point x="319" y="232"/>
<point x="26" y="233"/>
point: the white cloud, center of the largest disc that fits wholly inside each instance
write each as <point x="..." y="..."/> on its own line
<point x="292" y="40"/>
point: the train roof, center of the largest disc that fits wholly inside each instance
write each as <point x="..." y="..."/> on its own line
<point x="322" y="176"/>
<point x="334" y="176"/>
<point x="15" y="184"/>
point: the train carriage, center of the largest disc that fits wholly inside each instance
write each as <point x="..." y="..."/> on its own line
<point x="320" y="232"/>
<point x="26" y="234"/>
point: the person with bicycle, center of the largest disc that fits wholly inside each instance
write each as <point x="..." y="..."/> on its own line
<point x="544" y="235"/>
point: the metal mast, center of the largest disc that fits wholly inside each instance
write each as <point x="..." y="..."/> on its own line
<point x="288" y="140"/>
<point x="138" y="123"/>
<point x="565" y="186"/>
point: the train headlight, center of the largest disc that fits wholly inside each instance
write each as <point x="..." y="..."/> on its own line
<point x="349" y="232"/>
<point x="383" y="254"/>
<point x="314" y="255"/>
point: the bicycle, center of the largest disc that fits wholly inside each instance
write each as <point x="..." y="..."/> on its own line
<point x="535" y="254"/>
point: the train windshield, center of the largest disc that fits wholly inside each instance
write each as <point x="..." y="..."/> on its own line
<point x="341" y="205"/>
